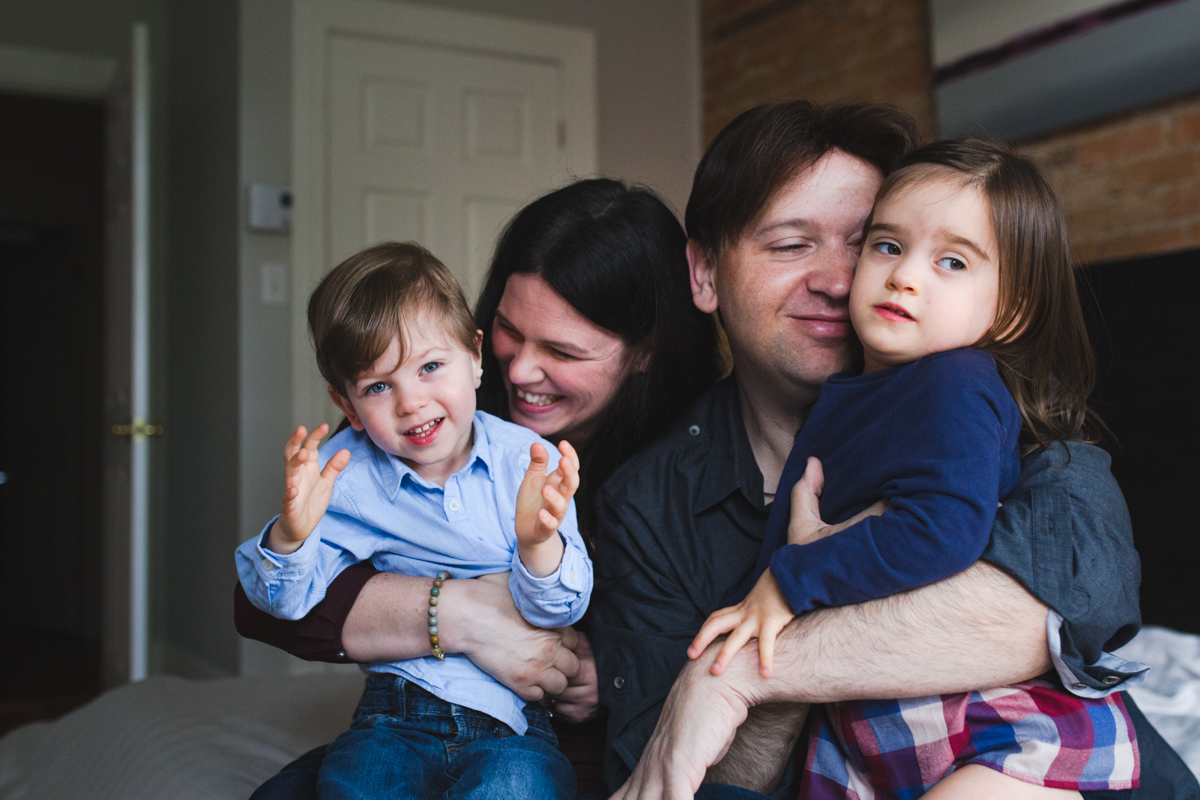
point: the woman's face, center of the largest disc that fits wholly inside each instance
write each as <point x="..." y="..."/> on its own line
<point x="560" y="369"/>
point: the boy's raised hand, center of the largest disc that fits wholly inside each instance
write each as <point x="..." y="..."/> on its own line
<point x="762" y="615"/>
<point x="307" y="489"/>
<point x="542" y="503"/>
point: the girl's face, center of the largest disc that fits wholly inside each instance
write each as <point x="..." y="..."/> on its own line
<point x="560" y="369"/>
<point x="929" y="276"/>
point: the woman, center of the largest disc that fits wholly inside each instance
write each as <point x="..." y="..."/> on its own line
<point x="590" y="334"/>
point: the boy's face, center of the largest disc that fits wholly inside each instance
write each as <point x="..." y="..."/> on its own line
<point x="929" y="279"/>
<point x="419" y="409"/>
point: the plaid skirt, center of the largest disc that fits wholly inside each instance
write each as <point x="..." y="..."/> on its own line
<point x="1033" y="731"/>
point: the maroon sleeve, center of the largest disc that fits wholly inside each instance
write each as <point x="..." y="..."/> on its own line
<point x="318" y="635"/>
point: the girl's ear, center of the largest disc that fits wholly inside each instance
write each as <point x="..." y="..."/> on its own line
<point x="346" y="407"/>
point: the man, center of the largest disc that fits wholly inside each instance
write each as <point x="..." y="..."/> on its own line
<point x="775" y="222"/>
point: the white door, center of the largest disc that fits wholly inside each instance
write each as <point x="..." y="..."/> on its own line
<point x="437" y="146"/>
<point x="437" y="126"/>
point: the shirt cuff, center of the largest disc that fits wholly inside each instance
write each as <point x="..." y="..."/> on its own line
<point x="1118" y="674"/>
<point x="557" y="599"/>
<point x="272" y="566"/>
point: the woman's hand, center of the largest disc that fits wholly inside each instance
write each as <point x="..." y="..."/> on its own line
<point x="581" y="699"/>
<point x="484" y="625"/>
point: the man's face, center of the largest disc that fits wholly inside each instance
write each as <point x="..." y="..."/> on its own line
<point x="783" y="287"/>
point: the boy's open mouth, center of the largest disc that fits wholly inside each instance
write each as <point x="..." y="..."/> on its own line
<point x="425" y="432"/>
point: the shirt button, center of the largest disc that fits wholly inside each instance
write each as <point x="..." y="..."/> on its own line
<point x="268" y="565"/>
<point x="455" y="505"/>
<point x="341" y="655"/>
<point x="694" y="430"/>
<point x="619" y="682"/>
<point x="1111" y="680"/>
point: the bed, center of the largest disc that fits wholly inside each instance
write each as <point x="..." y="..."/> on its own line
<point x="210" y="740"/>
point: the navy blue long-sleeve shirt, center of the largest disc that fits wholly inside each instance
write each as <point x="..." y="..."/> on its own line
<point x="937" y="438"/>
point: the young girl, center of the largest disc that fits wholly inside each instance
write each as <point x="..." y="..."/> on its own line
<point x="973" y="349"/>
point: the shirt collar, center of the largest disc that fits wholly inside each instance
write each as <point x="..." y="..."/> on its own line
<point x="393" y="471"/>
<point x="730" y="465"/>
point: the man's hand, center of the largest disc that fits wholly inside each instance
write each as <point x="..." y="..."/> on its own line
<point x="581" y="699"/>
<point x="306" y="489"/>
<point x="762" y="615"/>
<point x="542" y="503"/>
<point x="806" y="524"/>
<point x="697" y="726"/>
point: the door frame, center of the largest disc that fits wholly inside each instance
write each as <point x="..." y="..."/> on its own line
<point x="56" y="73"/>
<point x="314" y="22"/>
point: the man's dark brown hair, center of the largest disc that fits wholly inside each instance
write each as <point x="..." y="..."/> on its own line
<point x="758" y="153"/>
<point x="376" y="295"/>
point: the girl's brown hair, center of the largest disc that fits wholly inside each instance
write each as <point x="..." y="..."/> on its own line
<point x="1038" y="338"/>
<point x="374" y="296"/>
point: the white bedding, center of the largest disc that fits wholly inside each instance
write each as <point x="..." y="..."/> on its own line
<point x="171" y="739"/>
<point x="217" y="740"/>
<point x="1170" y="695"/>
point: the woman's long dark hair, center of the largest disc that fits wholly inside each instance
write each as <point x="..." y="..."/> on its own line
<point x="617" y="255"/>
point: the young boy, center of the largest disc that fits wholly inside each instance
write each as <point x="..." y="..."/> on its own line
<point x="423" y="484"/>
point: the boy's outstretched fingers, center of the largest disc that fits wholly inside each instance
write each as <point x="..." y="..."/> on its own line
<point x="744" y="632"/>
<point x="293" y="443"/>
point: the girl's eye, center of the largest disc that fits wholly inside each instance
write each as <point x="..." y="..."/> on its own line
<point x="376" y="388"/>
<point x="430" y="367"/>
<point x="950" y="263"/>
<point x="561" y="356"/>
<point x="887" y="248"/>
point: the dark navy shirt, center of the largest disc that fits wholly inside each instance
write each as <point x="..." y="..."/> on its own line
<point x="937" y="438"/>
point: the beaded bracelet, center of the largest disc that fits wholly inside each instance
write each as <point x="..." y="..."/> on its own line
<point x="434" y="591"/>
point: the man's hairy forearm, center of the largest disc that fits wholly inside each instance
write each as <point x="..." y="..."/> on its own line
<point x="976" y="630"/>
<point x="759" y="754"/>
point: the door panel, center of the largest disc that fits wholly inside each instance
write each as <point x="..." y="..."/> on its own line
<point x="438" y="145"/>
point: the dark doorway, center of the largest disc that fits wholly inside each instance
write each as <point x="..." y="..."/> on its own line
<point x="51" y="403"/>
<point x="1141" y="316"/>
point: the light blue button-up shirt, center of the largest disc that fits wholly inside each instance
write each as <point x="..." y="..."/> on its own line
<point x="383" y="511"/>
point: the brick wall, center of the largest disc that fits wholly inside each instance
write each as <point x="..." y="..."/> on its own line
<point x="1130" y="184"/>
<point x="760" y="51"/>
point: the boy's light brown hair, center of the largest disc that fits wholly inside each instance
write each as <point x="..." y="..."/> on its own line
<point x="374" y="296"/>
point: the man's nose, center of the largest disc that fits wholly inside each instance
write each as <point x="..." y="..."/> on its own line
<point x="834" y="274"/>
<point x="525" y="368"/>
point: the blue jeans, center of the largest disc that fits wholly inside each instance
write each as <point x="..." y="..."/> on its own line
<point x="406" y="743"/>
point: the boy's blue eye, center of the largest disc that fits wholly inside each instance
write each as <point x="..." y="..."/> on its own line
<point x="376" y="388"/>
<point x="952" y="264"/>
<point x="887" y="248"/>
<point x="430" y="367"/>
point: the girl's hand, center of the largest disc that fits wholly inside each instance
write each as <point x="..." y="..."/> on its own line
<point x="762" y="615"/>
<point x="581" y="699"/>
<point x="542" y="499"/>
<point x="806" y="525"/>
<point x="306" y="489"/>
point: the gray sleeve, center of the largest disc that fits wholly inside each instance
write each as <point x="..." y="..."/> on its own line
<point x="1064" y="534"/>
